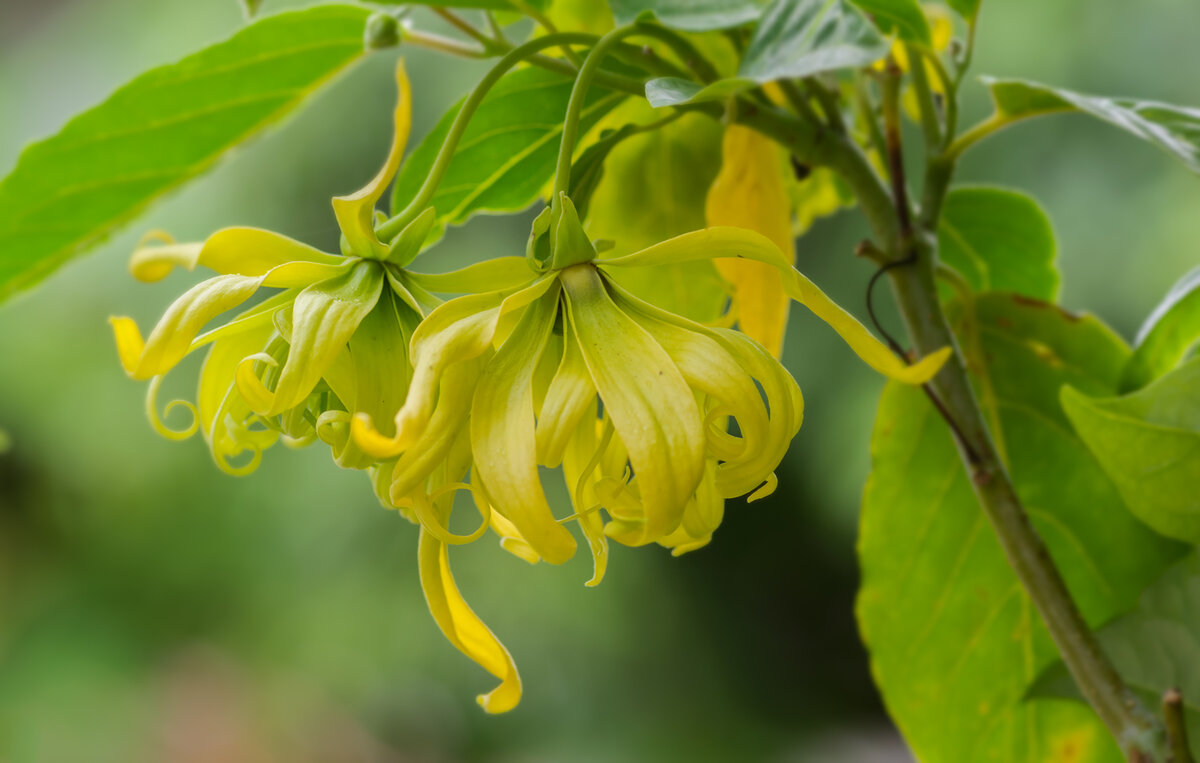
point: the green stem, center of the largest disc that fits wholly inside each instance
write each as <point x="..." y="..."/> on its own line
<point x="393" y="226"/>
<point x="570" y="133"/>
<point x="916" y="294"/>
<point x="1177" y="737"/>
<point x="930" y="122"/>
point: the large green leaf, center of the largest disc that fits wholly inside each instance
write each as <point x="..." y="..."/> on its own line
<point x="508" y="152"/>
<point x="1155" y="647"/>
<point x="1167" y="335"/>
<point x="170" y="124"/>
<point x="904" y="18"/>
<point x="796" y="38"/>
<point x="653" y="188"/>
<point x="954" y="639"/>
<point x="689" y="15"/>
<point x="1175" y="129"/>
<point x="999" y="240"/>
<point x="1149" y="444"/>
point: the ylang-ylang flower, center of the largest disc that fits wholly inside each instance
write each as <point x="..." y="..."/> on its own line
<point x="330" y="342"/>
<point x="552" y="363"/>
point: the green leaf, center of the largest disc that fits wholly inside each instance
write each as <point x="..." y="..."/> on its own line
<point x="1149" y="444"/>
<point x="1167" y="335"/>
<point x="508" y="152"/>
<point x="1175" y="129"/>
<point x="904" y="18"/>
<point x="999" y="240"/>
<point x="654" y="188"/>
<point x="588" y="170"/>
<point x="954" y="639"/>
<point x="968" y="9"/>
<point x="794" y="39"/>
<point x="1155" y="647"/>
<point x="689" y="15"/>
<point x="167" y="126"/>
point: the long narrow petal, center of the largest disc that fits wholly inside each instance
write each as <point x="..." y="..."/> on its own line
<point x="172" y="337"/>
<point x="714" y="243"/>
<point x="496" y="274"/>
<point x="463" y="628"/>
<point x="570" y="396"/>
<point x="749" y="192"/>
<point x="701" y="518"/>
<point x="580" y="465"/>
<point x="650" y="404"/>
<point x="458" y="330"/>
<point x="356" y="213"/>
<point x="502" y="433"/>
<point x="236" y="251"/>
<point x="222" y="411"/>
<point x="324" y="317"/>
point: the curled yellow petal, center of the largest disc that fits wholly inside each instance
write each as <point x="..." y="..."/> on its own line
<point x="157" y="421"/>
<point x="463" y="628"/>
<point x="356" y="212"/>
<point x="714" y="243"/>
<point x="235" y="251"/>
<point x="749" y="192"/>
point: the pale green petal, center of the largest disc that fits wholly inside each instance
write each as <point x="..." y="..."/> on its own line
<point x="171" y="339"/>
<point x="225" y="418"/>
<point x="650" y="404"/>
<point x="235" y="251"/>
<point x="458" y="330"/>
<point x="498" y="274"/>
<point x="713" y="243"/>
<point x="356" y="213"/>
<point x="406" y="246"/>
<point x="502" y="433"/>
<point x="463" y="628"/>
<point x="569" y="397"/>
<point x="324" y="317"/>
<point x="580" y="461"/>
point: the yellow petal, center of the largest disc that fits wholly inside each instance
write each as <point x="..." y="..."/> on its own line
<point x="701" y="518"/>
<point x="356" y="213"/>
<point x="502" y="433"/>
<point x="324" y="317"/>
<point x="171" y="338"/>
<point x="237" y="251"/>
<point x="749" y="192"/>
<point x="580" y="461"/>
<point x="713" y="243"/>
<point x="570" y="396"/>
<point x="463" y="628"/>
<point x="650" y="405"/>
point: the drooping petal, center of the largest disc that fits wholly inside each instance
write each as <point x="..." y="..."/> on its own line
<point x="713" y="243"/>
<point x="356" y="213"/>
<point x="701" y="518"/>
<point x="502" y="433"/>
<point x="580" y="463"/>
<point x="463" y="628"/>
<point x="511" y="539"/>
<point x="324" y="317"/>
<point x="224" y="415"/>
<point x="749" y="192"/>
<point x="650" y="405"/>
<point x="171" y="338"/>
<point x="458" y="330"/>
<point x="568" y="399"/>
<point x="236" y="251"/>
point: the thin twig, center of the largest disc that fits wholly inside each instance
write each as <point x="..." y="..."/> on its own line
<point x="1176" y="724"/>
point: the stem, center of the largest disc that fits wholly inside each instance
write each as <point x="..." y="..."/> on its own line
<point x="930" y="123"/>
<point x="917" y="297"/>
<point x="459" y="23"/>
<point x="393" y="226"/>
<point x="1172" y="707"/>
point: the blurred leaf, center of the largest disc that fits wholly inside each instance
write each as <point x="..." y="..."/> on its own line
<point x="163" y="128"/>
<point x="968" y="9"/>
<point x="794" y="39"/>
<point x="999" y="240"/>
<point x="654" y="188"/>
<point x="1155" y="647"/>
<point x="954" y="639"/>
<point x="689" y="15"/>
<point x="901" y="17"/>
<point x="588" y="169"/>
<point x="1167" y="335"/>
<point x="508" y="152"/>
<point x="1149" y="444"/>
<point x="1173" y="128"/>
<point x="819" y="194"/>
<point x="487" y="5"/>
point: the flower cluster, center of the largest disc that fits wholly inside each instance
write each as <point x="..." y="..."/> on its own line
<point x="541" y="360"/>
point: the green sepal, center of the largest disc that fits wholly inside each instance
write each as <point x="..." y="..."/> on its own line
<point x="406" y="246"/>
<point x="569" y="244"/>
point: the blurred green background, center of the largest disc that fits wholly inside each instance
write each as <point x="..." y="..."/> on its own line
<point x="154" y="609"/>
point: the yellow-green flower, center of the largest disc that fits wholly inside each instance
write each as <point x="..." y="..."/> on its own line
<point x="550" y="362"/>
<point x="300" y="363"/>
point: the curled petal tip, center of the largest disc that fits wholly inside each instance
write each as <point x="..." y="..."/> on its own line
<point x="257" y="396"/>
<point x="130" y="344"/>
<point x="924" y="369"/>
<point x="372" y="442"/>
<point x="766" y="489"/>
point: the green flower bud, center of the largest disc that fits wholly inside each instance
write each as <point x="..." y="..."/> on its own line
<point x="382" y="31"/>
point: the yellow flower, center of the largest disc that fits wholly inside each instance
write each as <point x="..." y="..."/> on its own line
<point x="521" y="369"/>
<point x="300" y="363"/>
